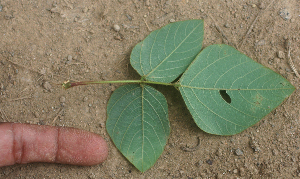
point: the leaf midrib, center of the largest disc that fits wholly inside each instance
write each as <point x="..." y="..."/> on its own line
<point x="201" y="88"/>
<point x="173" y="50"/>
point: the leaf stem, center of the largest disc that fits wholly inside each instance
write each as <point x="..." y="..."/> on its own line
<point x="68" y="84"/>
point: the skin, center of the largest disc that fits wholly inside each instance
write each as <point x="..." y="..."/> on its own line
<point x="26" y="143"/>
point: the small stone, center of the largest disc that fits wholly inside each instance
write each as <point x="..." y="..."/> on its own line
<point x="235" y="171"/>
<point x="209" y="162"/>
<point x="262" y="5"/>
<point x="227" y="25"/>
<point x="292" y="20"/>
<point x="242" y="171"/>
<point x="129" y="17"/>
<point x="118" y="37"/>
<point x="270" y="62"/>
<point x="62" y="99"/>
<point x="275" y="152"/>
<point x="85" y="9"/>
<point x="147" y="2"/>
<point x="199" y="163"/>
<point x="70" y="57"/>
<point x="90" y="105"/>
<point x="47" y="86"/>
<point x="219" y="152"/>
<point x="36" y="114"/>
<point x="239" y="152"/>
<point x="172" y="20"/>
<point x="43" y="71"/>
<point x="1" y="86"/>
<point x="253" y="5"/>
<point x="285" y="14"/>
<point x="280" y="54"/>
<point x="201" y="10"/>
<point x="260" y="43"/>
<point x="85" y="99"/>
<point x="254" y="145"/>
<point x="55" y="10"/>
<point x="116" y="27"/>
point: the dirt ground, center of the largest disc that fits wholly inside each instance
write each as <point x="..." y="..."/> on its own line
<point x="46" y="42"/>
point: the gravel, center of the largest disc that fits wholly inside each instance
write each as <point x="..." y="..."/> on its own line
<point x="280" y="54"/>
<point x="285" y="14"/>
<point x="239" y="152"/>
<point x="116" y="27"/>
<point x="62" y="99"/>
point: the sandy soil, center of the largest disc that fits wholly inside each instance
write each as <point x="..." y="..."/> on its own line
<point x="44" y="43"/>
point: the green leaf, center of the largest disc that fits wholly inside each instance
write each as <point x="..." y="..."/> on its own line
<point x="138" y="123"/>
<point x="227" y="92"/>
<point x="166" y="53"/>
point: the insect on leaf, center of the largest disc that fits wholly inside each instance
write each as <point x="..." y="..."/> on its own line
<point x="166" y="53"/>
<point x="227" y="92"/>
<point x="138" y="124"/>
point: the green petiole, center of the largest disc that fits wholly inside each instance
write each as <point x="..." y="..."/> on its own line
<point x="68" y="84"/>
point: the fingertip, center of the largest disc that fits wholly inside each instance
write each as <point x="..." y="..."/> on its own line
<point x="78" y="147"/>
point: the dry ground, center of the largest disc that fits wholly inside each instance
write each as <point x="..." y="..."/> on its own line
<point x="45" y="42"/>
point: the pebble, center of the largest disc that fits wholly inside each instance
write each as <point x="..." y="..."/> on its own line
<point x="242" y="171"/>
<point x="85" y="99"/>
<point x="36" y="114"/>
<point x="199" y="163"/>
<point x="285" y="14"/>
<point x="275" y="152"/>
<point x="280" y="54"/>
<point x="62" y="99"/>
<point x="147" y="2"/>
<point x="254" y="145"/>
<point x="239" y="152"/>
<point x="261" y="42"/>
<point x="219" y="152"/>
<point x="43" y="71"/>
<point x="85" y="9"/>
<point x="129" y="17"/>
<point x="116" y="27"/>
<point x="227" y="25"/>
<point x="209" y="162"/>
<point x="235" y="171"/>
<point x="47" y="86"/>
<point x="270" y="62"/>
<point x="1" y="86"/>
<point x="172" y="20"/>
<point x="70" y="57"/>
<point x="262" y="5"/>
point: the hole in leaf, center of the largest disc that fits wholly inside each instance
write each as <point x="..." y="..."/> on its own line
<point x="225" y="96"/>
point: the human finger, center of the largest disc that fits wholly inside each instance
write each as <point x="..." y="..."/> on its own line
<point x="26" y="143"/>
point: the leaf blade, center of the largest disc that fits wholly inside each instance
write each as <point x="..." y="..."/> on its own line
<point x="254" y="90"/>
<point x="138" y="124"/>
<point x="166" y="53"/>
